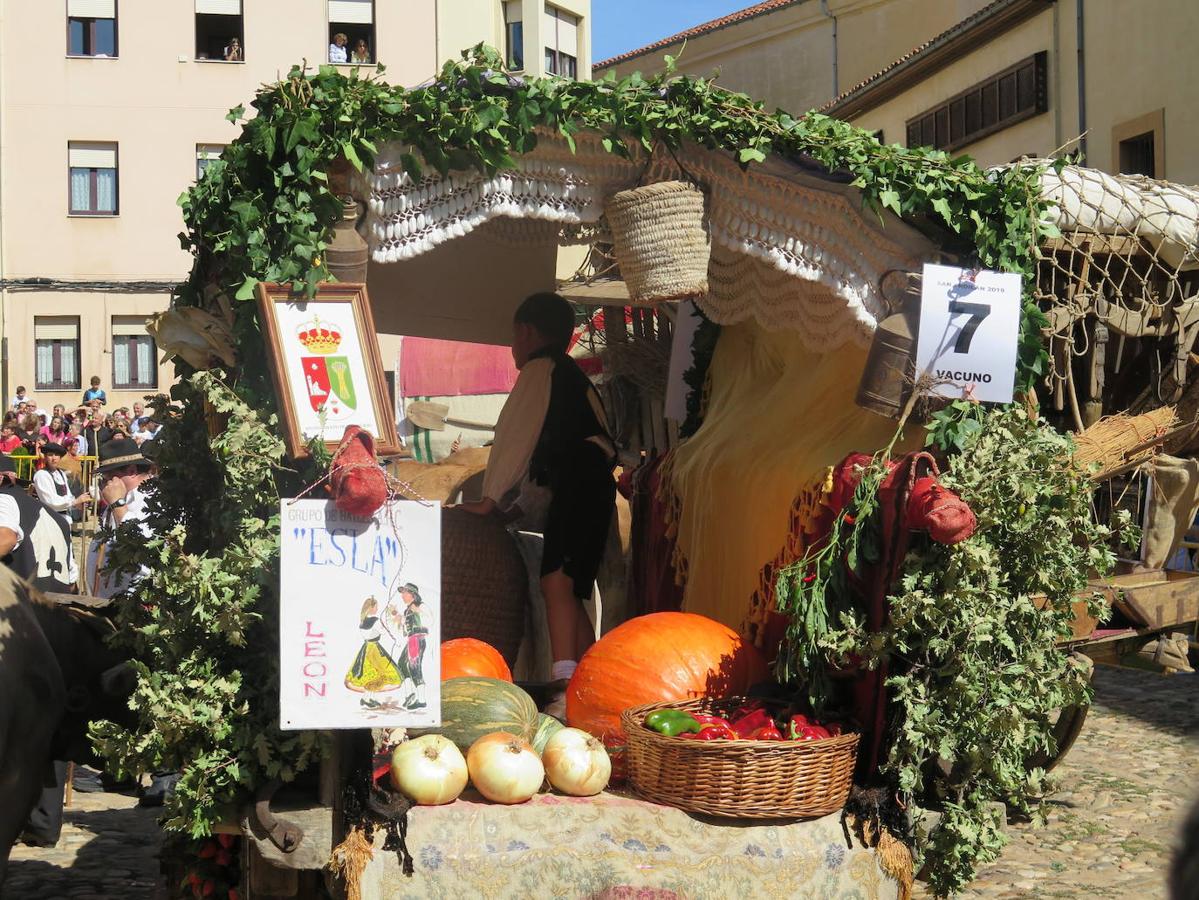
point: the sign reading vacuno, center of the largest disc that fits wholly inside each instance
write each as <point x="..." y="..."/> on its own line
<point x="969" y="330"/>
<point x="359" y="618"/>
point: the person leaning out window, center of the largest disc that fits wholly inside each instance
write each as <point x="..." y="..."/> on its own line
<point x="337" y="50"/>
<point x="233" y="52"/>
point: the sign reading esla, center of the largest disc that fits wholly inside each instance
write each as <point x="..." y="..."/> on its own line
<point x="969" y="332"/>
<point x="359" y="616"/>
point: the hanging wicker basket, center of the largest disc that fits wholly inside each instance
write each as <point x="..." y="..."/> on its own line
<point x="660" y="236"/>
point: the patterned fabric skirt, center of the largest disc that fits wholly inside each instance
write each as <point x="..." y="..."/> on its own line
<point x="373" y="670"/>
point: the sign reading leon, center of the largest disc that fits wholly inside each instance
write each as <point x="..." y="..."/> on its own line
<point x="969" y="329"/>
<point x="359" y="618"/>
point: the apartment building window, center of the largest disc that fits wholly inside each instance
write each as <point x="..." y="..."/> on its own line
<point x="1138" y="145"/>
<point x="561" y="43"/>
<point x="91" y="27"/>
<point x="133" y="354"/>
<point x="220" y="30"/>
<point x="1015" y="94"/>
<point x="93" y="178"/>
<point x="206" y="154"/>
<point x="56" y="353"/>
<point x="353" y="20"/>
<point x="514" y="35"/>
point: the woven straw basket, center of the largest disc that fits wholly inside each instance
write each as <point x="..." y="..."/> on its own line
<point x="484" y="583"/>
<point x="739" y="779"/>
<point x="660" y="236"/>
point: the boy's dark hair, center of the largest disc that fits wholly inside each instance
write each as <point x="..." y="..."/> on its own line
<point x="20" y="388"/>
<point x="551" y="315"/>
<point x="95" y="379"/>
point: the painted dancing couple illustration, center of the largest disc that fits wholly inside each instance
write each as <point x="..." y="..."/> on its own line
<point x="392" y="653"/>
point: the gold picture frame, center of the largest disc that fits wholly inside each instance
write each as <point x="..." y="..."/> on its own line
<point x="324" y="359"/>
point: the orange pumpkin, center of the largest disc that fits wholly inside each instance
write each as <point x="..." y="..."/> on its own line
<point x="662" y="656"/>
<point x="467" y="657"/>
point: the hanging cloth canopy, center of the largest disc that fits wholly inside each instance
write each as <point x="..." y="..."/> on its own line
<point x="793" y="245"/>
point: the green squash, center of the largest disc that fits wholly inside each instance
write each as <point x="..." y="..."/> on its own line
<point x="472" y="707"/>
<point x="547" y="727"/>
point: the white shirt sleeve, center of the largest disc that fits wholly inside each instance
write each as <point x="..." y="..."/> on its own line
<point x="43" y="482"/>
<point x="518" y="429"/>
<point x="10" y="517"/>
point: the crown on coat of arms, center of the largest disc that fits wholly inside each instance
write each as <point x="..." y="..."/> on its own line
<point x="318" y="337"/>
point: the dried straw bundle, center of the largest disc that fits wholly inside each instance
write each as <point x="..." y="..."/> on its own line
<point x="644" y="362"/>
<point x="349" y="860"/>
<point x="1122" y="441"/>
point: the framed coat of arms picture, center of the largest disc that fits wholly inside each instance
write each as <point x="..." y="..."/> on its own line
<point x="324" y="359"/>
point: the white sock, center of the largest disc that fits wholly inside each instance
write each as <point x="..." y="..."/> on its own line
<point x="563" y="669"/>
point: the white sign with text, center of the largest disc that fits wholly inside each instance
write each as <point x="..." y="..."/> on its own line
<point x="969" y="331"/>
<point x="359" y="616"/>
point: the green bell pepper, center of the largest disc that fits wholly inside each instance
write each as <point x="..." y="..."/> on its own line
<point x="672" y="722"/>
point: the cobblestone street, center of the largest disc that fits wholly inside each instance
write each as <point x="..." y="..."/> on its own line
<point x="1124" y="790"/>
<point x="109" y="849"/>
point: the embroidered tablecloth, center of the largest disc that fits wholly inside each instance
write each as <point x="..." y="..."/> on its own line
<point x="615" y="846"/>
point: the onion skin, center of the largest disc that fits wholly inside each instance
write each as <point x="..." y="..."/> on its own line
<point x="576" y="763"/>
<point x="429" y="770"/>
<point x="505" y="768"/>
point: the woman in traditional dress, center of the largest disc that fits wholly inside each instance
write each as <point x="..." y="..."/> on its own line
<point x="373" y="669"/>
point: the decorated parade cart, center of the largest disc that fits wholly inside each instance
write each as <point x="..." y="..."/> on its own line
<point x="922" y="605"/>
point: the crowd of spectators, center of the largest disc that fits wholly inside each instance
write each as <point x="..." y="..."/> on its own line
<point x="27" y="428"/>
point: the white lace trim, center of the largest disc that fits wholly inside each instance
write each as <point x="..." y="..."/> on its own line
<point x="833" y="252"/>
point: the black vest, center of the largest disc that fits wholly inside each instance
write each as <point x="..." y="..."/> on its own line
<point x="43" y="557"/>
<point x="563" y="444"/>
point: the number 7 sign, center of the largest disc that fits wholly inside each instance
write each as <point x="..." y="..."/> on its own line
<point x="969" y="329"/>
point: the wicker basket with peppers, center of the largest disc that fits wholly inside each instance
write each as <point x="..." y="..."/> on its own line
<point x="735" y="758"/>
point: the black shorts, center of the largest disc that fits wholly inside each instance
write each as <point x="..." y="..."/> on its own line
<point x="578" y="519"/>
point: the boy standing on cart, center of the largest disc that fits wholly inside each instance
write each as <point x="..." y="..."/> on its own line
<point x="553" y="434"/>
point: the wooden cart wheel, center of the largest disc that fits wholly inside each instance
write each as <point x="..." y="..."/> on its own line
<point x="1067" y="728"/>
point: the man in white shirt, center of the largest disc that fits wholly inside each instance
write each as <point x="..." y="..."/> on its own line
<point x="33" y="541"/>
<point x="52" y="486"/>
<point x="123" y="471"/>
<point x="148" y="430"/>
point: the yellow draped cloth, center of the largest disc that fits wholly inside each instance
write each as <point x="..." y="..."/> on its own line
<point x="778" y="416"/>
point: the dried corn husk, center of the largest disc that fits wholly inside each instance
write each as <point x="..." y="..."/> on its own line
<point x="200" y="338"/>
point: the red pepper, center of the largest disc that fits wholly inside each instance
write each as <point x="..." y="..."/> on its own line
<point x="751" y="722"/>
<point x="834" y="729"/>
<point x="711" y="720"/>
<point x="716" y="733"/>
<point x="801" y="729"/>
<point x="746" y="708"/>
<point x="810" y="733"/>
<point x="766" y="733"/>
<point x="798" y="721"/>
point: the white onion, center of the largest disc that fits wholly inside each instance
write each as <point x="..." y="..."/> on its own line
<point x="576" y="763"/>
<point x="504" y="767"/>
<point x="429" y="769"/>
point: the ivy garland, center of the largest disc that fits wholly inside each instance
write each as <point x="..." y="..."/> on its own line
<point x="202" y="619"/>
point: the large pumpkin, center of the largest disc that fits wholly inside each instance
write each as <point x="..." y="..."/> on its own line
<point x="662" y="656"/>
<point x="473" y="707"/>
<point x="466" y="657"/>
